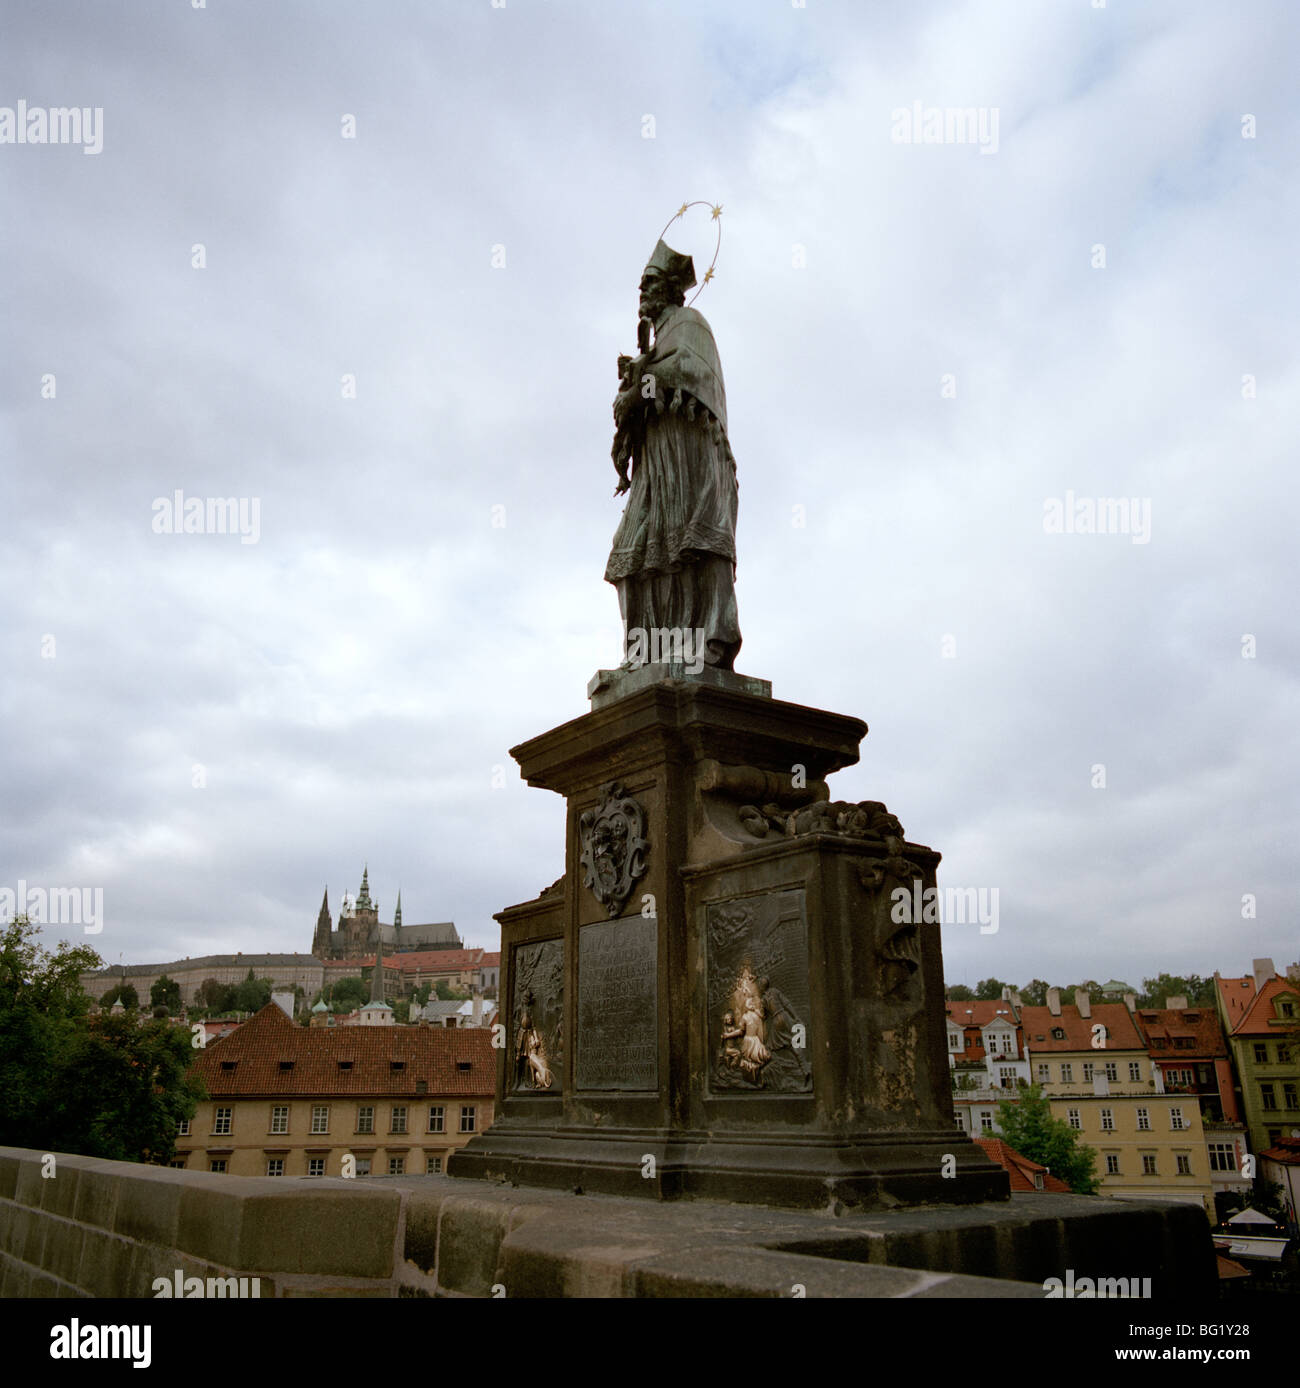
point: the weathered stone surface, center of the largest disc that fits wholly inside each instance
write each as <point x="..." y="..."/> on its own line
<point x="609" y="686"/>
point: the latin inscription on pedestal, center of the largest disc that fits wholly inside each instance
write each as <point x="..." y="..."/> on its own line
<point x="618" y="1031"/>
<point x="758" y="997"/>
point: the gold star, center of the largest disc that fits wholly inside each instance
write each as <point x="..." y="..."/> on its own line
<point x="681" y="211"/>
<point x="717" y="212"/>
<point x="708" y="275"/>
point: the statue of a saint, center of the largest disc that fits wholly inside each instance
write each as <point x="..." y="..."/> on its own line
<point x="674" y="555"/>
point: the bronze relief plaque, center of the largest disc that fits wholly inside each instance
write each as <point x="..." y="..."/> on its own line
<point x="758" y="996"/>
<point x="537" y="1018"/>
<point x="618" y="1005"/>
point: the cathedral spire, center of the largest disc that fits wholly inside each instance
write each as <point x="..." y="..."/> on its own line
<point x="397" y="915"/>
<point x="324" y="926"/>
<point x="363" y="901"/>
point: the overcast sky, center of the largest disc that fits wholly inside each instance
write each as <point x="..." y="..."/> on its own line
<point x="922" y="348"/>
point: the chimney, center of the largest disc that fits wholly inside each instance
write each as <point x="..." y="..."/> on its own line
<point x="1054" y="1001"/>
<point x="1131" y="1002"/>
<point x="1083" y="1002"/>
<point x="1263" y="970"/>
<point x="477" y="1015"/>
<point x="1176" y="1003"/>
<point x="283" y="999"/>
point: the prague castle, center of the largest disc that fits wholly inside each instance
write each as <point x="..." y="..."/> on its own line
<point x="360" y="931"/>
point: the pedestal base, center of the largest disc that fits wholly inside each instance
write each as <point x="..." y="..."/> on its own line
<point x="719" y="999"/>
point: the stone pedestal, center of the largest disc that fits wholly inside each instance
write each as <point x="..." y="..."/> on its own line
<point x="716" y="999"/>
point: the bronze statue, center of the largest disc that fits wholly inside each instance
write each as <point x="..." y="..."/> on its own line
<point x="673" y="559"/>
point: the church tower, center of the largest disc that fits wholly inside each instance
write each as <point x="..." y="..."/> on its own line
<point x="397" y="924"/>
<point x="321" y="943"/>
<point x="363" y="926"/>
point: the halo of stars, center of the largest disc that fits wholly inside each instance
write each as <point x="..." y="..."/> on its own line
<point x="715" y="210"/>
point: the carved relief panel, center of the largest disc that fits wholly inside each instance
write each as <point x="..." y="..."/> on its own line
<point x="758" y="996"/>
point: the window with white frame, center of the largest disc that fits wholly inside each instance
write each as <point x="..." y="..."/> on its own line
<point x="275" y="1166"/>
<point x="398" y="1124"/>
<point x="1108" y="1120"/>
<point x="315" y="1166"/>
<point x="435" y="1118"/>
<point x="1112" y="1070"/>
<point x="1067" y="1072"/>
<point x="1223" y="1156"/>
<point x="1176" y="1119"/>
<point x="986" y="1121"/>
<point x="1184" y="1164"/>
<point x="183" y="1128"/>
<point x="468" y="1118"/>
<point x="1149" y="1164"/>
<point x="320" y="1118"/>
<point x="397" y="1166"/>
<point x="1072" y="1114"/>
<point x="279" y="1118"/>
<point x="365" y="1118"/>
<point x="1087" y="1072"/>
<point x="433" y="1166"/>
<point x="217" y="1164"/>
<point x="1144" y="1120"/>
<point x="221" y="1119"/>
<point x="1112" y="1163"/>
<point x="1044" y="1074"/>
<point x="1135" y="1071"/>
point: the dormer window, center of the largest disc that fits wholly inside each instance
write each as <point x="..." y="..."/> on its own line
<point x="396" y="1065"/>
<point x="1058" y="1034"/>
<point x="286" y="1065"/>
<point x="229" y="1064"/>
<point x="345" y="1064"/>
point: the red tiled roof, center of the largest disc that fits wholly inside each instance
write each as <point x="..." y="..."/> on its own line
<point x="491" y="960"/>
<point x="431" y="1054"/>
<point x="1020" y="1168"/>
<point x="980" y="1013"/>
<point x="1255" y="1015"/>
<point x="1237" y="995"/>
<point x="1170" y="1023"/>
<point x="1285" y="1150"/>
<point x="1121" y="1034"/>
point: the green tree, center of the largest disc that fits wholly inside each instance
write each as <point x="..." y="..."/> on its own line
<point x="1028" y="1126"/>
<point x="165" y="993"/>
<point x="1034" y="993"/>
<point x="347" y="994"/>
<point x="125" y="993"/>
<point x="252" y="994"/>
<point x="401" y="1010"/>
<point x="101" y="1085"/>
<point x="213" y="998"/>
<point x="446" y="993"/>
<point x="1198" y="991"/>
<point x="989" y="989"/>
<point x="421" y="995"/>
<point x="959" y="992"/>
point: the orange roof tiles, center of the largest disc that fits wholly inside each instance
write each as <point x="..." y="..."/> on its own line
<point x="1255" y="1016"/>
<point x="1020" y="1168"/>
<point x="1171" y="1023"/>
<point x="1121" y="1034"/>
<point x="434" y="1055"/>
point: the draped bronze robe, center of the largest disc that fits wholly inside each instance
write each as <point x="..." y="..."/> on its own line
<point x="673" y="559"/>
